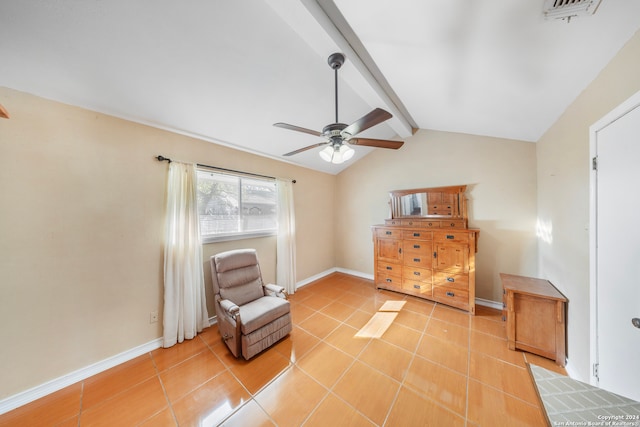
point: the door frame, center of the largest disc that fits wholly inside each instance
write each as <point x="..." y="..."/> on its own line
<point x="631" y="103"/>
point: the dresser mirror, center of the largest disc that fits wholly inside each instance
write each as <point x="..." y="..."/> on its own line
<point x="435" y="202"/>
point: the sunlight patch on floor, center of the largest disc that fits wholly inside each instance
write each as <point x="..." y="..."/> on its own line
<point x="381" y="321"/>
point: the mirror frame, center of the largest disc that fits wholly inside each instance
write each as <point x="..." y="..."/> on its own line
<point x="459" y="205"/>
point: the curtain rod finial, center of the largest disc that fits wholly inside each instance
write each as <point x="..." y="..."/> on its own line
<point x="161" y="158"/>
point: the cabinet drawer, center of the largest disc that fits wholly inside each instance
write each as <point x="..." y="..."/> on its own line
<point x="451" y="236"/>
<point x="431" y="224"/>
<point x="389" y="233"/>
<point x="413" y="286"/>
<point x="416" y="274"/>
<point x="410" y="223"/>
<point x="388" y="278"/>
<point x="451" y="296"/>
<point x="391" y="222"/>
<point x="452" y="224"/>
<point x="420" y="260"/>
<point x="451" y="280"/>
<point x="417" y="235"/>
<point x="417" y="247"/>
<point x="389" y="268"/>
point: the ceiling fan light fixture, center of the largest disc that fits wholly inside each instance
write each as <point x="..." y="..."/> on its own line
<point x="347" y="152"/>
<point x="337" y="155"/>
<point x="327" y="154"/>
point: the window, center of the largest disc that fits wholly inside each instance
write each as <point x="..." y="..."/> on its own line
<point x="235" y="206"/>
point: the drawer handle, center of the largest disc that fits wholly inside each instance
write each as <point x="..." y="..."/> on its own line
<point x="389" y="267"/>
<point x="435" y="255"/>
<point x="416" y="273"/>
<point x="416" y="286"/>
<point x="416" y="234"/>
<point x="416" y="260"/>
<point x="389" y="280"/>
<point x="450" y="236"/>
<point x="451" y="294"/>
<point x="430" y="224"/>
<point x="449" y="279"/>
<point x="389" y="233"/>
<point x="453" y="224"/>
<point x="416" y="246"/>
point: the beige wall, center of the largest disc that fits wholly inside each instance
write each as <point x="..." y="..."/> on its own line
<point x="81" y="220"/>
<point x="563" y="194"/>
<point x="501" y="179"/>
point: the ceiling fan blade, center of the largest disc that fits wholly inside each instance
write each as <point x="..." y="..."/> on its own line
<point x="297" y="128"/>
<point x="380" y="143"/>
<point x="368" y="120"/>
<point x="306" y="148"/>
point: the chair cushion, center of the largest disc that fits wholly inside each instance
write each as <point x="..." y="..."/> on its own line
<point x="237" y="290"/>
<point x="238" y="276"/>
<point x="260" y="312"/>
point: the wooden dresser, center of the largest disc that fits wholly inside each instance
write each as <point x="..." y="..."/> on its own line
<point x="426" y="249"/>
<point x="535" y="312"/>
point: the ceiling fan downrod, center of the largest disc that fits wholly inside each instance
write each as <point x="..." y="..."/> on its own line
<point x="335" y="61"/>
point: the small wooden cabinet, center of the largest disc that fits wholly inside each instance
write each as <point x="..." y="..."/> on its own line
<point x="426" y="249"/>
<point x="535" y="312"/>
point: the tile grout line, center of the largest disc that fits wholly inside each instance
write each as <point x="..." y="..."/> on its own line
<point x="164" y="391"/>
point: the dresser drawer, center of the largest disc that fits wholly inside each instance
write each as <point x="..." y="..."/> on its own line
<point x="416" y="274"/>
<point x="417" y="235"/>
<point x="411" y="223"/>
<point x="451" y="280"/>
<point x="389" y="268"/>
<point x="452" y="224"/>
<point x="388" y="278"/>
<point x="451" y="296"/>
<point x="389" y="233"/>
<point x="451" y="236"/>
<point x="420" y="287"/>
<point x="420" y="247"/>
<point x="391" y="222"/>
<point x="420" y="260"/>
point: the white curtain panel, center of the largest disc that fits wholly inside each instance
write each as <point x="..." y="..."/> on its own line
<point x="185" y="306"/>
<point x="286" y="244"/>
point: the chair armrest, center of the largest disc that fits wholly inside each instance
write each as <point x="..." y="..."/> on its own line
<point x="230" y="308"/>
<point x="276" y="290"/>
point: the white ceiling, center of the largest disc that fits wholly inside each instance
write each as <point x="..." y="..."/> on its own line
<point x="225" y="71"/>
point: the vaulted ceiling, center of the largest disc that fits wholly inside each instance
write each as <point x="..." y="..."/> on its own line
<point x="226" y="71"/>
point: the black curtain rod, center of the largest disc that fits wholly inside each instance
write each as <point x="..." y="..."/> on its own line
<point x="161" y="158"/>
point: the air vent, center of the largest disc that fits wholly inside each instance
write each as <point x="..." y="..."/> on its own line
<point x="567" y="9"/>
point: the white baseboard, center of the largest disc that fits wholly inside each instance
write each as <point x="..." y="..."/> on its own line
<point x="59" y="383"/>
<point x="331" y="271"/>
<point x="355" y="273"/>
<point x="315" y="277"/>
<point x="489" y="303"/>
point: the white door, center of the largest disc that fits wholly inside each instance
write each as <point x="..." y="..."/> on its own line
<point x="618" y="252"/>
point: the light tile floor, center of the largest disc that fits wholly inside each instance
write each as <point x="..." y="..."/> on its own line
<point x="434" y="366"/>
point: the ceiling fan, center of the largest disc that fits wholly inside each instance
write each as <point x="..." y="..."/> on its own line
<point x="339" y="135"/>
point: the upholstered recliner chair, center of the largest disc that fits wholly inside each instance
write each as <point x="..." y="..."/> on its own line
<point x="251" y="315"/>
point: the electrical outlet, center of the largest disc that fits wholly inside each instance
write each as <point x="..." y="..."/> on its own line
<point x="153" y="317"/>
